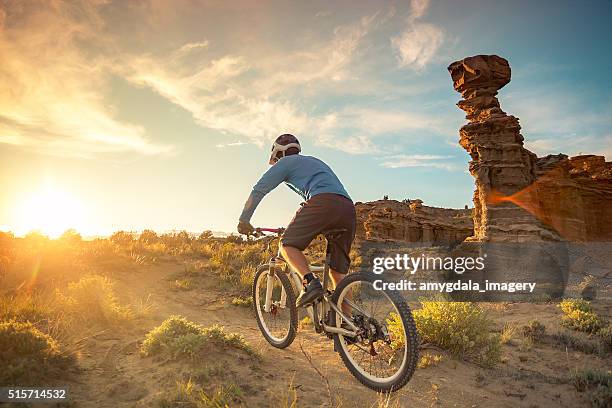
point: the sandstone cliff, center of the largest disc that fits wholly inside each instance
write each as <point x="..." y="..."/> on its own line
<point x="411" y="221"/>
<point x="575" y="196"/>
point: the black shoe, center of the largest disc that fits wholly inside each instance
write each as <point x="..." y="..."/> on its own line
<point x="310" y="293"/>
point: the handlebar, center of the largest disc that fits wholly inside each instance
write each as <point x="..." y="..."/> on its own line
<point x="273" y="230"/>
<point x="259" y="232"/>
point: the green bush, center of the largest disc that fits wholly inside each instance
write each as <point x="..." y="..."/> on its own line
<point x="179" y="337"/>
<point x="28" y="356"/>
<point x="461" y="328"/>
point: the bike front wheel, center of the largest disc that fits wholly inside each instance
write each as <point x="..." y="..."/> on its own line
<point x="384" y="355"/>
<point x="274" y="306"/>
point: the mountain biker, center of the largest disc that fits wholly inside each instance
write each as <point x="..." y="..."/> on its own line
<point x="328" y="206"/>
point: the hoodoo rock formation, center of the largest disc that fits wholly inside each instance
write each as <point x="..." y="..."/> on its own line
<point x="500" y="164"/>
<point x="520" y="197"/>
<point x="411" y="221"/>
<point x="531" y="215"/>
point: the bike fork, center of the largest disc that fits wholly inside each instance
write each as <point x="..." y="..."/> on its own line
<point x="270" y="286"/>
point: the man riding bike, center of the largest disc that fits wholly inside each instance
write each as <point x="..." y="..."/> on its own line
<point x="328" y="206"/>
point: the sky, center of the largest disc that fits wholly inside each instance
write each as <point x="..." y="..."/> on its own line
<point x="126" y="115"/>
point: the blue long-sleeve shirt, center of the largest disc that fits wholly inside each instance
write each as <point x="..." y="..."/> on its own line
<point x="306" y="175"/>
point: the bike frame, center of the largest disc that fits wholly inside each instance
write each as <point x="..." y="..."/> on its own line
<point x="320" y="309"/>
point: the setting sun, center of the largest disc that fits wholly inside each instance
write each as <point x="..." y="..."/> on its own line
<point x="49" y="211"/>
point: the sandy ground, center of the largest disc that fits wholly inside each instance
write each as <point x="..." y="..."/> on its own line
<point x="115" y="375"/>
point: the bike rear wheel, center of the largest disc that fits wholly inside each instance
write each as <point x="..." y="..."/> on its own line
<point x="278" y="323"/>
<point x="385" y="354"/>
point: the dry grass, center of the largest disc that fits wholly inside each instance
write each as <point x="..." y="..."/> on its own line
<point x="92" y="299"/>
<point x="190" y="394"/>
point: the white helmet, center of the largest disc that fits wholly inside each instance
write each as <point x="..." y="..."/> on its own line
<point x="281" y="145"/>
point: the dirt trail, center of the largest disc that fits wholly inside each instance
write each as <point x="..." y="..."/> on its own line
<point x="115" y="375"/>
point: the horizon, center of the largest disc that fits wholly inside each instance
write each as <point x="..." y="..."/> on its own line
<point x="132" y="116"/>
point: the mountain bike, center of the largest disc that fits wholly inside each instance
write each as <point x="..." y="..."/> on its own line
<point x="377" y="340"/>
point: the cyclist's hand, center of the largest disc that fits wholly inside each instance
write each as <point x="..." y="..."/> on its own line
<point x="245" y="228"/>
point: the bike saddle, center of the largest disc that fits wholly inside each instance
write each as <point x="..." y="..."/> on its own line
<point x="333" y="233"/>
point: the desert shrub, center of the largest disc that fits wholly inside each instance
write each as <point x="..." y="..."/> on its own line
<point x="586" y="379"/>
<point x="429" y="360"/>
<point x="122" y="238"/>
<point x="605" y="338"/>
<point x="507" y="334"/>
<point x="71" y="236"/>
<point x="24" y="308"/>
<point x="28" y="356"/>
<point x="461" y="328"/>
<point x="534" y="330"/>
<point x="597" y="383"/>
<point x="576" y="343"/>
<point x="93" y="298"/>
<point x="234" y="239"/>
<point x="578" y="315"/>
<point x="98" y="250"/>
<point x="182" y="284"/>
<point x="243" y="301"/>
<point x="568" y="305"/>
<point x="190" y="394"/>
<point x="148" y="237"/>
<point x="205" y="235"/>
<point x="286" y="398"/>
<point x="237" y="264"/>
<point x="179" y="337"/>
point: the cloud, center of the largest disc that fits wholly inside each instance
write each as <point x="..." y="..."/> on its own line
<point x="417" y="160"/>
<point x="572" y="146"/>
<point x="51" y="84"/>
<point x="248" y="97"/>
<point x="225" y="86"/>
<point x="379" y="121"/>
<point x="553" y="120"/>
<point x="193" y="46"/>
<point x="232" y="144"/>
<point x="418" y="44"/>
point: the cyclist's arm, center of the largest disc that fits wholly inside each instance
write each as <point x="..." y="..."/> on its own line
<point x="268" y="182"/>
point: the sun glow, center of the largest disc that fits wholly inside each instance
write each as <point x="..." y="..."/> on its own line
<point x="49" y="211"/>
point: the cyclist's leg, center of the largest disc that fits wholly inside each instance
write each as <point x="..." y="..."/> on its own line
<point x="309" y="220"/>
<point x="336" y="278"/>
<point x="341" y="247"/>
<point x="296" y="259"/>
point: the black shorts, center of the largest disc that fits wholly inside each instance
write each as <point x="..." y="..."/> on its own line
<point x="323" y="212"/>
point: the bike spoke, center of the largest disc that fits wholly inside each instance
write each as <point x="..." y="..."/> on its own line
<point x="278" y="319"/>
<point x="374" y="356"/>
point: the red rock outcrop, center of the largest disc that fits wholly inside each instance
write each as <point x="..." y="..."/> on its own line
<point x="575" y="196"/>
<point x="411" y="221"/>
